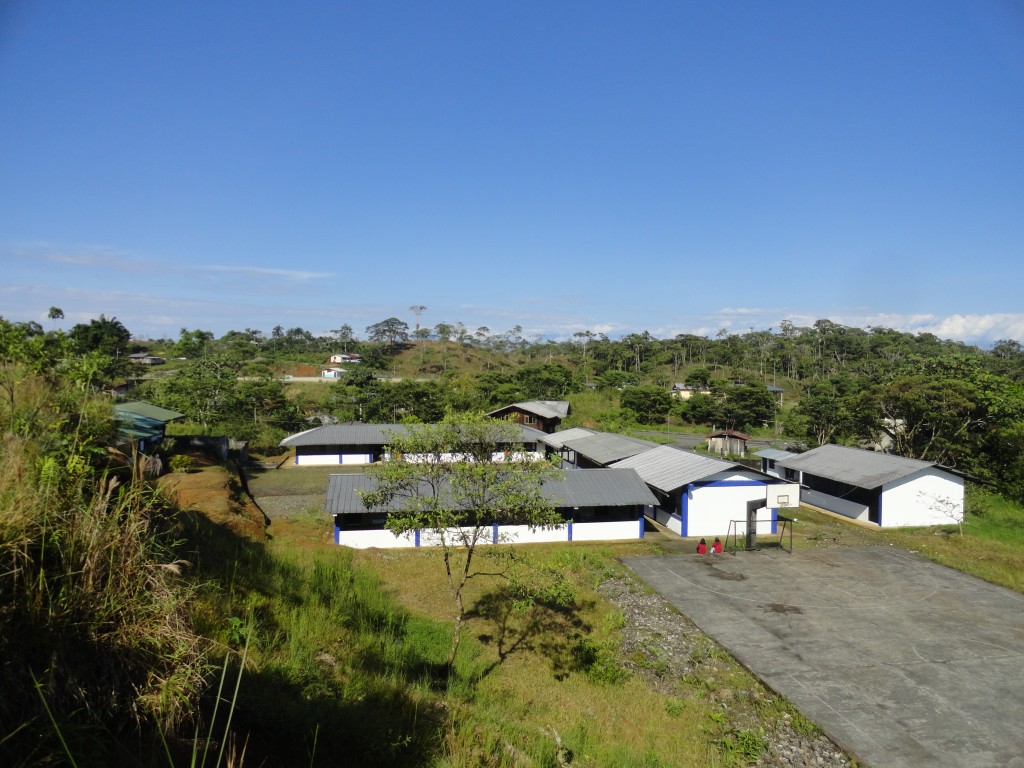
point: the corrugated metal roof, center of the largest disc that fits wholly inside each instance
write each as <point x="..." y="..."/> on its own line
<point x="372" y="434"/>
<point x="667" y="468"/>
<point x="775" y="453"/>
<point x="548" y="409"/>
<point x="600" y="488"/>
<point x="855" y="466"/>
<point x="604" y="447"/>
<point x="148" y="410"/>
<point x="577" y="488"/>
<point x="556" y="439"/>
<point x="347" y="434"/>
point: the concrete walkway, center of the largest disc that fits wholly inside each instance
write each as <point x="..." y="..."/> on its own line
<point x="902" y="662"/>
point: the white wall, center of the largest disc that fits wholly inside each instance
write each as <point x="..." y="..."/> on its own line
<point x="382" y="538"/>
<point x="710" y="508"/>
<point x="928" y="497"/>
<point x="321" y="459"/>
<point x="670" y="521"/>
<point x="507" y="534"/>
<point x="621" y="529"/>
<point x="521" y="534"/>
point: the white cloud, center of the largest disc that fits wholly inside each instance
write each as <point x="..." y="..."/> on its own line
<point x="296" y="275"/>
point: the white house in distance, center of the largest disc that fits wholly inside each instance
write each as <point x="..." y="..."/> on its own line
<point x="703" y="496"/>
<point x="595" y="504"/>
<point x="879" y="488"/>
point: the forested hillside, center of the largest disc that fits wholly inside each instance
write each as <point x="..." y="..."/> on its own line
<point x="921" y="396"/>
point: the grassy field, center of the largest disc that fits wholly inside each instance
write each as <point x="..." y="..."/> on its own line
<point x="344" y="638"/>
<point x="348" y="649"/>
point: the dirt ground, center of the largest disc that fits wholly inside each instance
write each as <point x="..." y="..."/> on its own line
<point x="213" y="492"/>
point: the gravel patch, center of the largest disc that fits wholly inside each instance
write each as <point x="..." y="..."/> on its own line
<point x="666" y="649"/>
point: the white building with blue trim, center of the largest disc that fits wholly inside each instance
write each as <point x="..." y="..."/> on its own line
<point x="595" y="505"/>
<point x="881" y="488"/>
<point x="702" y="496"/>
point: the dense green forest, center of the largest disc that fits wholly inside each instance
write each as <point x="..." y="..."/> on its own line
<point x="115" y="606"/>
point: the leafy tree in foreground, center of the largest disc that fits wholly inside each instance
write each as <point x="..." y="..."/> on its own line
<point x="453" y="481"/>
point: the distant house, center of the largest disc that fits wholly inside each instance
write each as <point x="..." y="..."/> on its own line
<point x="728" y="441"/>
<point x="332" y="373"/>
<point x="685" y="391"/>
<point x="144" y="424"/>
<point x="878" y="488"/>
<point x="345" y="358"/>
<point x="144" y="358"/>
<point x="364" y="443"/>
<point x="702" y="496"/>
<point x="544" y="415"/>
<point x="596" y="505"/>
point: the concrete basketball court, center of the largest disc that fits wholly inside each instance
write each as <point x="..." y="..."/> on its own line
<point x="901" y="661"/>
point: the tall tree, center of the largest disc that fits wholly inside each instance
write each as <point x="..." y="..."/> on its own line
<point x="110" y="339"/>
<point x="390" y="331"/>
<point x="454" y="481"/>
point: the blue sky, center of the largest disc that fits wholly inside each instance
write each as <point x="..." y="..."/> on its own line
<point x="677" y="167"/>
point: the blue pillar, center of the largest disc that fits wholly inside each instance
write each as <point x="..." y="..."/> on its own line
<point x="641" y="522"/>
<point x="570" y="530"/>
<point x="417" y="537"/>
<point x="494" y="535"/>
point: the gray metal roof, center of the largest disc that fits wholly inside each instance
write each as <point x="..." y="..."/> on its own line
<point x="604" y="447"/>
<point x="548" y="409"/>
<point x="775" y="453"/>
<point x="600" y="488"/>
<point x="371" y="434"/>
<point x="577" y="488"/>
<point x="855" y="466"/>
<point x="555" y="439"/>
<point x="347" y="434"/>
<point x="667" y="468"/>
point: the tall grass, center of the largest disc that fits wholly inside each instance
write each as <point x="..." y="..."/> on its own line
<point x="94" y="634"/>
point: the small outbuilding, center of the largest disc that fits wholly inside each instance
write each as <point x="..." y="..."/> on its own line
<point x="703" y="496"/>
<point x="595" y="505"/>
<point x="880" y="488"/>
<point x="728" y="441"/>
<point x="143" y="423"/>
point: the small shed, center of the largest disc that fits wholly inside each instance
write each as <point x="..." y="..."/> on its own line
<point x="595" y="505"/>
<point x="702" y="496"/>
<point x="332" y="373"/>
<point x="880" y="488"/>
<point x="143" y="423"/>
<point x="728" y="441"/>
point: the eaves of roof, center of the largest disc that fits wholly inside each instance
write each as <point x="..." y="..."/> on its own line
<point x="856" y="466"/>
